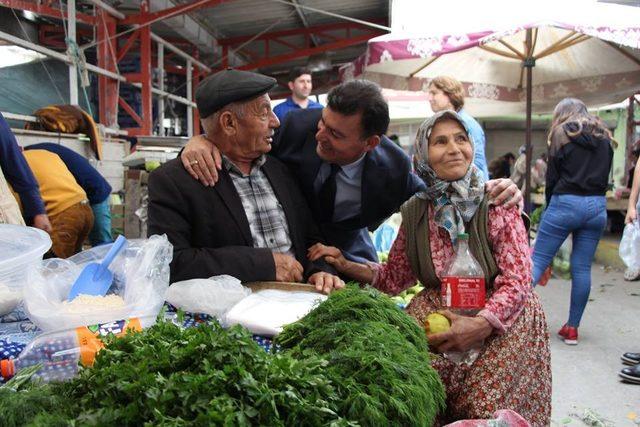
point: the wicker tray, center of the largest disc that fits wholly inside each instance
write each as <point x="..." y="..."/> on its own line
<point x="281" y="286"/>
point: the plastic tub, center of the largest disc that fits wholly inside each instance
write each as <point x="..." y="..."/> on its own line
<point x="21" y="249"/>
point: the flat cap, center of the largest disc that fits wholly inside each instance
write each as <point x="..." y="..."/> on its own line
<point x="227" y="86"/>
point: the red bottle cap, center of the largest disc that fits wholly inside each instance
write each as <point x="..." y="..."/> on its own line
<point x="7" y="369"/>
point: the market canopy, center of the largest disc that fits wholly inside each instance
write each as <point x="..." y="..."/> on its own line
<point x="582" y="49"/>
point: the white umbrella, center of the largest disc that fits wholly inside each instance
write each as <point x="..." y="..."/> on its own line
<point x="586" y="50"/>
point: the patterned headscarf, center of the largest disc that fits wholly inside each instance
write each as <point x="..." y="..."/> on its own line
<point x="455" y="202"/>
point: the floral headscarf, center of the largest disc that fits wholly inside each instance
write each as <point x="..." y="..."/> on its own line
<point x="455" y="202"/>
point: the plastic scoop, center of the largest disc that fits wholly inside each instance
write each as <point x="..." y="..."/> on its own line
<point x="95" y="279"/>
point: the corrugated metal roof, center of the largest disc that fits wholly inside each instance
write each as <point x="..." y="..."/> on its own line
<point x="253" y="17"/>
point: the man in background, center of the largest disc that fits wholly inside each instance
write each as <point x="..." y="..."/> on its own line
<point x="16" y="173"/>
<point x="300" y="86"/>
<point x="97" y="188"/>
<point x="66" y="202"/>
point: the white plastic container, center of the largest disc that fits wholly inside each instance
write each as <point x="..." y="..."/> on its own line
<point x="21" y="249"/>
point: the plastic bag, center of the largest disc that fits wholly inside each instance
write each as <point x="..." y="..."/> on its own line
<point x="141" y="278"/>
<point x="213" y="296"/>
<point x="266" y="312"/>
<point x="630" y="246"/>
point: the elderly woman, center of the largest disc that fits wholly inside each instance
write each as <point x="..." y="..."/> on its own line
<point x="513" y="368"/>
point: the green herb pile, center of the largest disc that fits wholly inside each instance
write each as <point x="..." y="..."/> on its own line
<point x="199" y="376"/>
<point x="378" y="358"/>
<point x="355" y="360"/>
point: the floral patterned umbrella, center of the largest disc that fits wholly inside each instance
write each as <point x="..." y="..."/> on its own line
<point x="564" y="48"/>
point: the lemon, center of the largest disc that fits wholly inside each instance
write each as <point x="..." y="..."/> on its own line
<point x="436" y="323"/>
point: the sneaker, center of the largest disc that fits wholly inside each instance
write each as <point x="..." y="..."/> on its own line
<point x="631" y="358"/>
<point x="631" y="375"/>
<point x="569" y="334"/>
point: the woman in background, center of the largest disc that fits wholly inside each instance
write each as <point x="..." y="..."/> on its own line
<point x="580" y="155"/>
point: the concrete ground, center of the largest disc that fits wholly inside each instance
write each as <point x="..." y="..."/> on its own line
<point x="586" y="386"/>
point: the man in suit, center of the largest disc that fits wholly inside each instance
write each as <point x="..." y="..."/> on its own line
<point x="342" y="146"/>
<point x="254" y="224"/>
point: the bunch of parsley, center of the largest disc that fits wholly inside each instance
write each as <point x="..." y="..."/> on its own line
<point x="198" y="376"/>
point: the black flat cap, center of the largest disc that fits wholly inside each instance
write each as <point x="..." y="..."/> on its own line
<point x="227" y="86"/>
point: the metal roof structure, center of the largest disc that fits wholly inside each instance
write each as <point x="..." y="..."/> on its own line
<point x="162" y="48"/>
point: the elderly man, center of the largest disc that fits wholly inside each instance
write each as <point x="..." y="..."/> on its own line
<point x="254" y="225"/>
<point x="353" y="176"/>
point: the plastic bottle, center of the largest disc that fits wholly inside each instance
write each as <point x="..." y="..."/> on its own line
<point x="60" y="352"/>
<point x="463" y="291"/>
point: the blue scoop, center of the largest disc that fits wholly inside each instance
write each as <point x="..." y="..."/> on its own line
<point x="95" y="279"/>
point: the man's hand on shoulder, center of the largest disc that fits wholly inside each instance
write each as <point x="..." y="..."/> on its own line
<point x="503" y="191"/>
<point x="288" y="269"/>
<point x="202" y="160"/>
<point x="325" y="282"/>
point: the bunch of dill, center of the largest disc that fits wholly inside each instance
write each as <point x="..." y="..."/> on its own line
<point x="378" y="358"/>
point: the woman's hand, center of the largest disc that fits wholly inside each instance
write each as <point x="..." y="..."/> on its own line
<point x="331" y="254"/>
<point x="465" y="333"/>
<point x="202" y="160"/>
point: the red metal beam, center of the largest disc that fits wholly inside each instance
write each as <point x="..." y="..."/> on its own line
<point x="145" y="71"/>
<point x="53" y="36"/>
<point x="289" y="45"/>
<point x="126" y="107"/>
<point x="144" y="18"/>
<point x="107" y="87"/>
<point x="307" y="52"/>
<point x="46" y="10"/>
<point x="195" y="83"/>
<point x="128" y="44"/>
<point x="301" y="31"/>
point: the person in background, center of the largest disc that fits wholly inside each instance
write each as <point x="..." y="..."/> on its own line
<point x="538" y="170"/>
<point x="396" y="139"/>
<point x="501" y="167"/>
<point x="66" y="202"/>
<point x="580" y="155"/>
<point x="633" y="207"/>
<point x="447" y="93"/>
<point x="515" y="360"/>
<point x="300" y="85"/>
<point x="631" y="374"/>
<point x="15" y="172"/>
<point x="97" y="188"/>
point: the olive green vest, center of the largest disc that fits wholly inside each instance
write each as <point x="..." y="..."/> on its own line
<point x="415" y="221"/>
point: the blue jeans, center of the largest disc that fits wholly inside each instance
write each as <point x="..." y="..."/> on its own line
<point x="586" y="218"/>
<point x="101" y="232"/>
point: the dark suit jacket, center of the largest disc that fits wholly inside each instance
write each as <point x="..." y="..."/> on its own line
<point x="387" y="182"/>
<point x="209" y="230"/>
